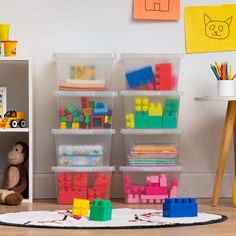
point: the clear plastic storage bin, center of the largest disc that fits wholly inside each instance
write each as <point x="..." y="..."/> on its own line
<point x="83" y="147"/>
<point x="150" y="184"/>
<point x="151" y="147"/>
<point x="151" y="109"/>
<point x="84" y="71"/>
<point x="82" y="182"/>
<point x="85" y="109"/>
<point x="150" y="71"/>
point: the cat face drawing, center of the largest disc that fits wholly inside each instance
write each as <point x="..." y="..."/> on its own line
<point x="217" y="29"/>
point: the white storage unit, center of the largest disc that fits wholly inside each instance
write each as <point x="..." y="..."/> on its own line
<point x="16" y="77"/>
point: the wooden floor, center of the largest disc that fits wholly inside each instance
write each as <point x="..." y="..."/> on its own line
<point x="227" y="228"/>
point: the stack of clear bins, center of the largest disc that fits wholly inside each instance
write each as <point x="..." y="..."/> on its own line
<point x="84" y="134"/>
<point x="151" y="134"/>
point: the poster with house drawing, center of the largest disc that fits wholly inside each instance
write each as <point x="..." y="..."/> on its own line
<point x="3" y="101"/>
<point x="156" y="9"/>
<point x="210" y="28"/>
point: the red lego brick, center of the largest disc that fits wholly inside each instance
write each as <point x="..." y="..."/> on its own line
<point x="69" y="117"/>
<point x="164" y="74"/>
<point x="62" y="112"/>
<point x="85" y="102"/>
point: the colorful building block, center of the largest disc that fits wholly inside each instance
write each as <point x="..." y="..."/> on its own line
<point x="75" y="125"/>
<point x="170" y="120"/>
<point x="101" y="210"/>
<point x="62" y="125"/>
<point x="70" y="108"/>
<point x="140" y="77"/>
<point x="84" y="102"/>
<point x="63" y="118"/>
<point x="141" y="104"/>
<point x="143" y="121"/>
<point x="155" y="109"/>
<point x="75" y="118"/>
<point x="100" y="109"/>
<point x="129" y="121"/>
<point x="88" y="111"/>
<point x="80" y="207"/>
<point x="180" y="207"/>
<point x="62" y="112"/>
<point x="97" y="122"/>
<point x="163" y="78"/>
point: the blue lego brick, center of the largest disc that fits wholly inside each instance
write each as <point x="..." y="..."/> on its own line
<point x="140" y="77"/>
<point x="100" y="109"/>
<point x="180" y="207"/>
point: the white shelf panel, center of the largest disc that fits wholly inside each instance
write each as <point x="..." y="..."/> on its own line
<point x="150" y="93"/>
<point x="151" y="55"/>
<point x="14" y="58"/>
<point x="83" y="131"/>
<point x="14" y="130"/>
<point x="85" y="93"/>
<point x="215" y="98"/>
<point x="82" y="55"/>
<point x="150" y="131"/>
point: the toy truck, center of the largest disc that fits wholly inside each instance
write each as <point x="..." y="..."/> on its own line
<point x="12" y="119"/>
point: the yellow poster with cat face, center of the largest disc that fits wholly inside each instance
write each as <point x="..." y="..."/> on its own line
<point x="210" y="28"/>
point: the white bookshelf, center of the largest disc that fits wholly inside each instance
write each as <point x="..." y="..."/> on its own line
<point x="16" y="76"/>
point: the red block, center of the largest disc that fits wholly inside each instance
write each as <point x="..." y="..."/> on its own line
<point x="62" y="112"/>
<point x="85" y="102"/>
<point x="156" y="190"/>
<point x="69" y="117"/>
<point x="66" y="197"/>
<point x="164" y="75"/>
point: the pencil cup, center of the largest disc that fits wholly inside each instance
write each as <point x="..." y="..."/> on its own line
<point x="225" y="87"/>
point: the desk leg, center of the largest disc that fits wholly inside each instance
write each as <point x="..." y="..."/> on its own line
<point x="225" y="142"/>
<point x="235" y="147"/>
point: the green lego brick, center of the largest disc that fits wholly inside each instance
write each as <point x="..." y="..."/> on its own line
<point x="170" y="121"/>
<point x="70" y="108"/>
<point x="101" y="210"/>
<point x="143" y="121"/>
<point x="92" y="104"/>
<point x="68" y="125"/>
<point x="172" y="105"/>
<point x="63" y="118"/>
<point x="75" y="118"/>
<point x="87" y="119"/>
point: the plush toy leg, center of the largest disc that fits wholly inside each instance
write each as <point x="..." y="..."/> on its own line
<point x="10" y="197"/>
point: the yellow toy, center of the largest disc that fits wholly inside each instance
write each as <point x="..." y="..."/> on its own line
<point x="234" y="193"/>
<point x="155" y="109"/>
<point x="141" y="104"/>
<point x="129" y="121"/>
<point x="80" y="207"/>
<point x="12" y="119"/>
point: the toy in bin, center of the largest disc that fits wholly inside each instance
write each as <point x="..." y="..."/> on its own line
<point x="12" y="119"/>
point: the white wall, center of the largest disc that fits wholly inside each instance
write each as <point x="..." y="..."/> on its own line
<point x="48" y="26"/>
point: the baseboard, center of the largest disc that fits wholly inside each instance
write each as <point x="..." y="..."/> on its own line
<point x="191" y="184"/>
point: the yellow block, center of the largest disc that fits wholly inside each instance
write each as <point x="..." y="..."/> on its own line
<point x="81" y="203"/>
<point x="129" y="120"/>
<point x="79" y="212"/>
<point x="62" y="125"/>
<point x="141" y="104"/>
<point x="75" y="125"/>
<point x="105" y="119"/>
<point x="155" y="109"/>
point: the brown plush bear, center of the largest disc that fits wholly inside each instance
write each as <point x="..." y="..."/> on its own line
<point x="15" y="181"/>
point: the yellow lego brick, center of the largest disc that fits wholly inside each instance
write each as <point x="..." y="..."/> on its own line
<point x="145" y="101"/>
<point x="105" y="119"/>
<point x="75" y="125"/>
<point x="76" y="212"/>
<point x="84" y="212"/>
<point x="155" y="109"/>
<point x="138" y="101"/>
<point x="62" y="125"/>
<point x="129" y="120"/>
<point x="80" y="203"/>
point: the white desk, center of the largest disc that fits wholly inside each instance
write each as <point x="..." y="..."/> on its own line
<point x="229" y="129"/>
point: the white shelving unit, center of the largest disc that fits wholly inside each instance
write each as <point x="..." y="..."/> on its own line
<point x="16" y="77"/>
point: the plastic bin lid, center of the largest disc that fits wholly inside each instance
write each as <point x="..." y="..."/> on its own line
<point x="150" y="93"/>
<point x="85" y="93"/>
<point x="79" y="55"/>
<point x="151" y="168"/>
<point x="83" y="169"/>
<point x="157" y="55"/>
<point x="150" y="131"/>
<point x="83" y="131"/>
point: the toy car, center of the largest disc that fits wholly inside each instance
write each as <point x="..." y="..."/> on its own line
<point x="12" y="119"/>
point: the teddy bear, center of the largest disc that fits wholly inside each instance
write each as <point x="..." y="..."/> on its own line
<point x="15" y="180"/>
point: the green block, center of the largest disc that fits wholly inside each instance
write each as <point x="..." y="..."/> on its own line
<point x="101" y="210"/>
<point x="170" y="121"/>
<point x="68" y="125"/>
<point x="75" y="118"/>
<point x="143" y="121"/>
<point x="87" y="119"/>
<point x="70" y="108"/>
<point x="92" y="104"/>
<point x="63" y="118"/>
<point x="172" y="105"/>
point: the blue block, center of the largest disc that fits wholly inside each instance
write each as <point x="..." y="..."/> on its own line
<point x="100" y="109"/>
<point x="180" y="207"/>
<point x="140" y="77"/>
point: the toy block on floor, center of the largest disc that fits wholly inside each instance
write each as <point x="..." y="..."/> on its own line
<point x="101" y="210"/>
<point x="180" y="207"/>
<point x="80" y="207"/>
<point x="140" y="77"/>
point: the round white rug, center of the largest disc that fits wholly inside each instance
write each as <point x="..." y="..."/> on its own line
<point x="121" y="218"/>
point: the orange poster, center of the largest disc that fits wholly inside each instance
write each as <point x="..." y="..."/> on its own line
<point x="156" y="9"/>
